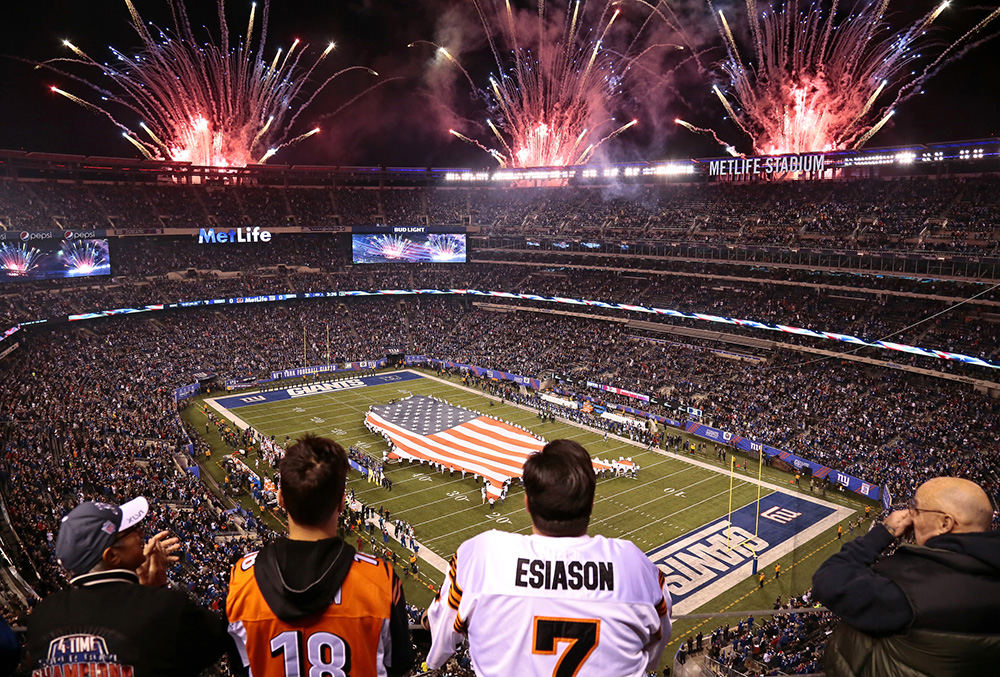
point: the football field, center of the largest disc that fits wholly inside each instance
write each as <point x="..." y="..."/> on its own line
<point x="698" y="521"/>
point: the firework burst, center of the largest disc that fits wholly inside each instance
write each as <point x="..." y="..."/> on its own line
<point x="209" y="104"/>
<point x="555" y="84"/>
<point x="823" y="79"/>
<point x="18" y="260"/>
<point x="85" y="257"/>
<point x="392" y="247"/>
<point x="446" y="247"/>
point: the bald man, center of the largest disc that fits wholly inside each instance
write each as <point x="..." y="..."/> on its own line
<point x="930" y="608"/>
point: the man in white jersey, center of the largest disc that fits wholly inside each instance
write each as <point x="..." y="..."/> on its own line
<point x="557" y="603"/>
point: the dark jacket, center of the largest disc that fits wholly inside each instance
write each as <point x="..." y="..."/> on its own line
<point x="925" y="610"/>
<point x="107" y="617"/>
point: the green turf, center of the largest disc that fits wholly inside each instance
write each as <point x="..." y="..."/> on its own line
<point x="669" y="498"/>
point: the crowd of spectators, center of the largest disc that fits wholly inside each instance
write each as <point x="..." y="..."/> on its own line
<point x="920" y="213"/>
<point x="970" y="329"/>
<point x="783" y="644"/>
<point x="100" y="431"/>
<point x="881" y="425"/>
<point x="88" y="411"/>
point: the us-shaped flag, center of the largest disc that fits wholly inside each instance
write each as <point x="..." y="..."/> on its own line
<point x="427" y="429"/>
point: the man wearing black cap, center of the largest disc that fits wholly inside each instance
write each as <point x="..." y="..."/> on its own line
<point x="117" y="617"/>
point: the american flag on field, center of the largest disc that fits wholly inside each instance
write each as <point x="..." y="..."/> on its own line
<point x="427" y="429"/>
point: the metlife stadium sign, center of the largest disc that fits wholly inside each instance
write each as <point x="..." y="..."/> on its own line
<point x="752" y="167"/>
<point x="236" y="235"/>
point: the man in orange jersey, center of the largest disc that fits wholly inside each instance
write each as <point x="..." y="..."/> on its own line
<point x="308" y="603"/>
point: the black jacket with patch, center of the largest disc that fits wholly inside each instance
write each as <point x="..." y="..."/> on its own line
<point x="108" y="618"/>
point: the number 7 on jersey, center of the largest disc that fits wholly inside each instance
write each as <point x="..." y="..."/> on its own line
<point x="582" y="634"/>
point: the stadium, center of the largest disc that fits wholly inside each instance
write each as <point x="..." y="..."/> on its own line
<point x="765" y="353"/>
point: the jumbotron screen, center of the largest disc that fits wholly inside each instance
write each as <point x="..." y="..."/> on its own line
<point x="50" y="259"/>
<point x="408" y="247"/>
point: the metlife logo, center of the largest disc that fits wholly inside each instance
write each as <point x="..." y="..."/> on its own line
<point x="237" y="235"/>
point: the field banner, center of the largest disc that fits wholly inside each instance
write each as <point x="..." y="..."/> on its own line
<point x="625" y="420"/>
<point x="429" y="430"/>
<point x="327" y="369"/>
<point x="426" y="429"/>
<point x="620" y="407"/>
<point x="618" y="391"/>
<point x="237" y="384"/>
<point x="560" y="402"/>
<point x="818" y="470"/>
<point x="303" y="371"/>
<point x="187" y="391"/>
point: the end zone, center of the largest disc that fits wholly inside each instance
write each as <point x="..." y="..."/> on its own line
<point x="292" y="392"/>
<point x="706" y="562"/>
<point x="225" y="405"/>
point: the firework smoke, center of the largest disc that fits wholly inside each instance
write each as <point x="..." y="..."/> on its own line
<point x="819" y="81"/>
<point x="555" y="84"/>
<point x="209" y="104"/>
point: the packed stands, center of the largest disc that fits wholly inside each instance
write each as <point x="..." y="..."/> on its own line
<point x="908" y="214"/>
<point x="88" y="411"/>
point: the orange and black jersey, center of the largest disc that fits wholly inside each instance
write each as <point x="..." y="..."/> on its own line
<point x="300" y="608"/>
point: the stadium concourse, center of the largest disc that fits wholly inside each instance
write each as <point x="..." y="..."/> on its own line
<point x="88" y="408"/>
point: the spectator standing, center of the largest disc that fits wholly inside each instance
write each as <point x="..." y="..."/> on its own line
<point x="117" y="613"/>
<point x="520" y="598"/>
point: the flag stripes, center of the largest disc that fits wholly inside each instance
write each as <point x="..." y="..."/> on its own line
<point x="427" y="429"/>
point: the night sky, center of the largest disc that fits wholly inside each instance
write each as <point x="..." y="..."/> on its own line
<point x="405" y="121"/>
